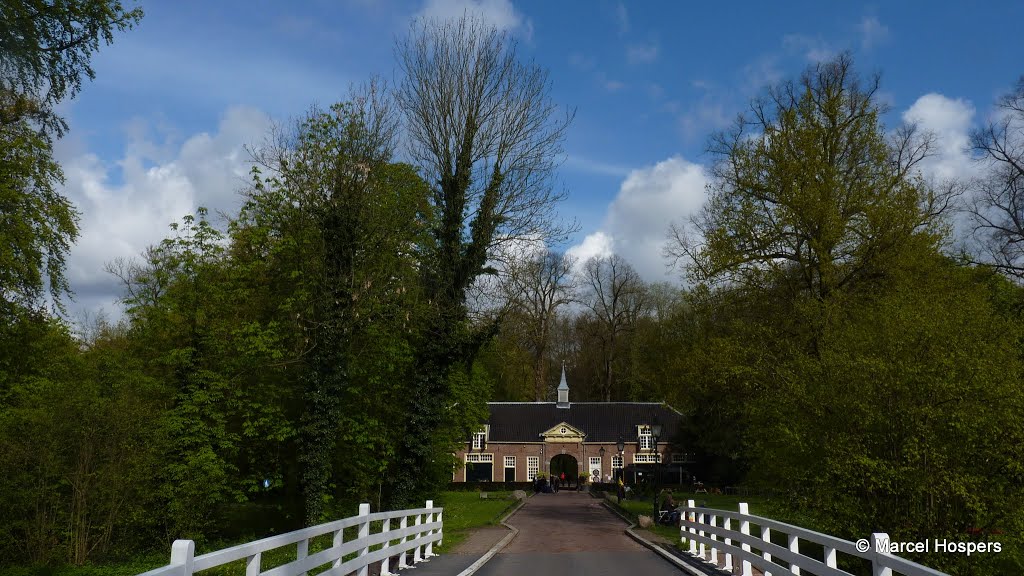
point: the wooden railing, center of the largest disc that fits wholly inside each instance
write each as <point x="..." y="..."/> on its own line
<point x="712" y="537"/>
<point x="415" y="535"/>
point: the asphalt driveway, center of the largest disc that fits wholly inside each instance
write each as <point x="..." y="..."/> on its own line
<point x="571" y="533"/>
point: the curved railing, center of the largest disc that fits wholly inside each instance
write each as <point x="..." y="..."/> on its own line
<point x="415" y="535"/>
<point x="711" y="538"/>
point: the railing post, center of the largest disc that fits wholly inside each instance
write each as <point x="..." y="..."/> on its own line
<point x="364" y="533"/>
<point x="701" y="518"/>
<point x="385" y="564"/>
<point x="430" y="519"/>
<point x="879" y="550"/>
<point x="440" y="530"/>
<point x="402" y="526"/>
<point x="766" y="535"/>
<point x="183" y="553"/>
<point x="830" y="557"/>
<point x="301" y="551"/>
<point x="417" y="554"/>
<point x="745" y="530"/>
<point x="794" y="547"/>
<point x="728" y="543"/>
<point x="252" y="565"/>
<point x="692" y="517"/>
<point x="714" y="538"/>
<point x="339" y="539"/>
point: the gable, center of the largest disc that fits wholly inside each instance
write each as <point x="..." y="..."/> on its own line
<point x="563" y="432"/>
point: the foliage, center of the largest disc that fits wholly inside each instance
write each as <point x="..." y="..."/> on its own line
<point x="46" y="49"/>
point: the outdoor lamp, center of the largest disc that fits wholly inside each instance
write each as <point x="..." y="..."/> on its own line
<point x="621" y="444"/>
<point x="601" y="452"/>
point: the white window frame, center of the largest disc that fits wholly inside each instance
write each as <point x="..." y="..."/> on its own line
<point x="563" y="430"/>
<point x="645" y="437"/>
<point x="646" y="458"/>
<point x="616" y="462"/>
<point x="478" y="458"/>
<point x="595" y="461"/>
<point x="532" y="467"/>
<point x="510" y="461"/>
<point x="478" y="440"/>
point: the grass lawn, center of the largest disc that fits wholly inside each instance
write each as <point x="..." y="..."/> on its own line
<point x="759" y="506"/>
<point x="464" y="511"/>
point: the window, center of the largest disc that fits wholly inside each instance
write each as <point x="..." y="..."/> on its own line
<point x="595" y="461"/>
<point x="510" y="461"/>
<point x="563" y="430"/>
<point x="478" y="440"/>
<point x="646" y="440"/>
<point x="532" y="466"/>
<point x="480" y="458"/>
<point x="683" y="458"/>
<point x="646" y="458"/>
<point x="616" y="461"/>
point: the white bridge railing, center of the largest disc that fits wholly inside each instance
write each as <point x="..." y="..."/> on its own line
<point x="713" y="537"/>
<point x="415" y="534"/>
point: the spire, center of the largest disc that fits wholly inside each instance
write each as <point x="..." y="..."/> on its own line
<point x="563" y="391"/>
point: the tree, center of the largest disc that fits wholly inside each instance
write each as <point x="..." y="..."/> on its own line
<point x="997" y="208"/>
<point x="348" y="221"/>
<point x="537" y="287"/>
<point x="808" y="187"/>
<point x="617" y="297"/>
<point x="45" y="51"/>
<point x="487" y="137"/>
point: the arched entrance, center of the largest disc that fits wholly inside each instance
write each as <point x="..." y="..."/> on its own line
<point x="569" y="465"/>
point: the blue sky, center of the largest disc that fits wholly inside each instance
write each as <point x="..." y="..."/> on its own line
<point x="162" y="128"/>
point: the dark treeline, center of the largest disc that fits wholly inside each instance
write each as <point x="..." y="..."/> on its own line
<point x="337" y="338"/>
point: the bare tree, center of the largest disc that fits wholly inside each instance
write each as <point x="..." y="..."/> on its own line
<point x="997" y="207"/>
<point x="536" y="288"/>
<point x="617" y="296"/>
<point x="488" y="138"/>
<point x="483" y="130"/>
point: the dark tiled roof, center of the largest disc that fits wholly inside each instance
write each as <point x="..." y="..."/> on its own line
<point x="600" y="421"/>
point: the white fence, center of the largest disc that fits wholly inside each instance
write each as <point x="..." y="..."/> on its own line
<point x="712" y="537"/>
<point x="415" y="535"/>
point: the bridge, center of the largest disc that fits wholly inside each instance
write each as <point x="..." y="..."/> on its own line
<point x="552" y="535"/>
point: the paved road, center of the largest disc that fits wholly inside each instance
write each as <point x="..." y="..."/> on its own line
<point x="572" y="534"/>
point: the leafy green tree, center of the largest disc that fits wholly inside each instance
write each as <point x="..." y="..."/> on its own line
<point x="45" y="52"/>
<point x="346" y="223"/>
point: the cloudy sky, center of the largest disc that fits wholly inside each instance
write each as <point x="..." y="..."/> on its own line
<point x="162" y="128"/>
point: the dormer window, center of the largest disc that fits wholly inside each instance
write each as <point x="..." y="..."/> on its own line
<point x="478" y="440"/>
<point x="646" y="439"/>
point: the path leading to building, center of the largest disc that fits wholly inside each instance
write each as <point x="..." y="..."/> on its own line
<point x="572" y="533"/>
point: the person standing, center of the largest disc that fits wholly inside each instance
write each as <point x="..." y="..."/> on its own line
<point x="562" y="478"/>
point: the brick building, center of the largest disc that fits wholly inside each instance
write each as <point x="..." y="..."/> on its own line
<point x="521" y="439"/>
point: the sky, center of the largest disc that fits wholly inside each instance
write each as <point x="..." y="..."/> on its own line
<point x="163" y="128"/>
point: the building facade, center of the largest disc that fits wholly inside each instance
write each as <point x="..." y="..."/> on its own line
<point x="522" y="439"/>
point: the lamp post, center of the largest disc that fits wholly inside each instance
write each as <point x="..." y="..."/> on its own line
<point x="601" y="454"/>
<point x="656" y="434"/>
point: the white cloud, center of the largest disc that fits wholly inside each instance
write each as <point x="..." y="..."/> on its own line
<point x="637" y="220"/>
<point x="595" y="244"/>
<point x="499" y="13"/>
<point x="640" y="53"/>
<point x="950" y="121"/>
<point x="872" y="33"/>
<point x="813" y="48"/>
<point x="157" y="187"/>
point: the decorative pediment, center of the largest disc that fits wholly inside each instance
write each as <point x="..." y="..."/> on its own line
<point x="563" y="433"/>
